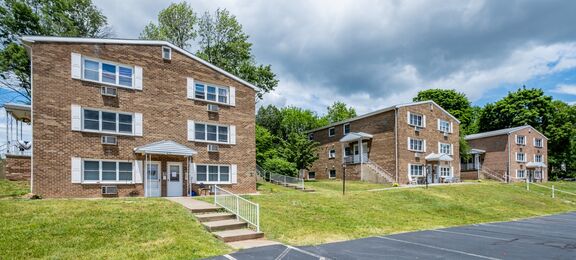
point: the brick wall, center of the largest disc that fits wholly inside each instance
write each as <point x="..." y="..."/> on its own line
<point x="162" y="102"/>
<point x="17" y="168"/>
<point x="496" y="156"/>
<point x="529" y="150"/>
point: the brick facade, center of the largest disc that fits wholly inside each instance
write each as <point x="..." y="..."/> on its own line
<point x="500" y="155"/>
<point x="17" y="168"/>
<point x="162" y="101"/>
<point x="387" y="148"/>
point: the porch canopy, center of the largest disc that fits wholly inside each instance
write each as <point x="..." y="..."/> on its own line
<point x="356" y="136"/>
<point x="438" y="157"/>
<point x="535" y="165"/>
<point x="20" y="112"/>
<point x="476" y="151"/>
<point x="165" y="147"/>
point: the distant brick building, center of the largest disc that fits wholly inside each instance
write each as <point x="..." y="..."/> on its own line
<point x="136" y="117"/>
<point x="511" y="154"/>
<point x="402" y="144"/>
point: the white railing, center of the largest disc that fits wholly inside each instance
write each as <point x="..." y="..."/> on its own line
<point x="491" y="173"/>
<point x="13" y="149"/>
<point x="287" y="180"/>
<point x="241" y="207"/>
<point x="353" y="159"/>
<point x="381" y="171"/>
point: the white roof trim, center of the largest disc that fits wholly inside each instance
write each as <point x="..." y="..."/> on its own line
<point x="501" y="132"/>
<point x="535" y="165"/>
<point x="165" y="147"/>
<point x="386" y="109"/>
<point x="355" y="137"/>
<point x="33" y="39"/>
<point x="437" y="157"/>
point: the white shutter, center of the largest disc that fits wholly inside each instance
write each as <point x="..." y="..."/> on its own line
<point x="190" y="88"/>
<point x="234" y="173"/>
<point x="438" y="123"/>
<point x="232" y="96"/>
<point x="76" y="117"/>
<point x="408" y="143"/>
<point x="76" y="170"/>
<point x="138" y="77"/>
<point x="191" y="130"/>
<point x="439" y="147"/>
<point x="408" y="117"/>
<point x="424" y="145"/>
<point x="451" y="127"/>
<point x="515" y="139"/>
<point x="232" y="134"/>
<point x="192" y="173"/>
<point x="451" y="149"/>
<point x="423" y="120"/>
<point x="138" y="124"/>
<point x="452" y="171"/>
<point x="76" y="68"/>
<point x="137" y="171"/>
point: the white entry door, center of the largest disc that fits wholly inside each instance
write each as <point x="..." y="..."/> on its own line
<point x="174" y="179"/>
<point x="356" y="152"/>
<point x="153" y="179"/>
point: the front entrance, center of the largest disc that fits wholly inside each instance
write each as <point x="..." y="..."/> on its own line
<point x="153" y="187"/>
<point x="174" y="171"/>
<point x="356" y="151"/>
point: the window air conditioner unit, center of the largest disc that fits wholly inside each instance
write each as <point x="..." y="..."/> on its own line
<point x="445" y="134"/>
<point x="109" y="140"/>
<point x="213" y="148"/>
<point x="213" y="108"/>
<point x="416" y="155"/>
<point x="108" y="91"/>
<point x="109" y="190"/>
<point x="417" y="128"/>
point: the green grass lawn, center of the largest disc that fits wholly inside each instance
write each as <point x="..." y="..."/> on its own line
<point x="336" y="186"/>
<point x="13" y="188"/>
<point x="311" y="218"/>
<point x="102" y="229"/>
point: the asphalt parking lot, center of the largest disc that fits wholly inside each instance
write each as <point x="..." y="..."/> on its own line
<point x="549" y="237"/>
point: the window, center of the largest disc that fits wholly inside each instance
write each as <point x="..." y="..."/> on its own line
<point x="416" y="170"/>
<point x="311" y="136"/>
<point x="331" y="131"/>
<point x="416" y="145"/>
<point x="107" y="171"/>
<point x="538" y="174"/>
<point x="520" y="139"/>
<point x="311" y="175"/>
<point x="538" y="158"/>
<point x="520" y="174"/>
<point x="445" y="148"/>
<point x="211" y="93"/>
<point x="213" y="174"/>
<point x="347" y="151"/>
<point x="444" y="126"/>
<point x="110" y="122"/>
<point x="214" y="133"/>
<point x="346" y="129"/>
<point x="416" y="120"/>
<point x="109" y="73"/>
<point x="332" y="154"/>
<point x="332" y="174"/>
<point x="445" y="172"/>
<point x="166" y="53"/>
<point x="538" y="142"/>
<point x="520" y="157"/>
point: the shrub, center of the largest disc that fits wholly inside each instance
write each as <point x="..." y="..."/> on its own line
<point x="280" y="166"/>
<point x="395" y="184"/>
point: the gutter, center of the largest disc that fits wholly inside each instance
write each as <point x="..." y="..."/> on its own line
<point x="508" y="162"/>
<point x="396" y="141"/>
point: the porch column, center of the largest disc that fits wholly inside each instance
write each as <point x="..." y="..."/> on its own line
<point x="477" y="164"/>
<point x="361" y="159"/>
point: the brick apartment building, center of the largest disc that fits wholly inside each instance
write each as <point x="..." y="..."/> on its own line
<point x="404" y="144"/>
<point x="136" y="118"/>
<point x="511" y="154"/>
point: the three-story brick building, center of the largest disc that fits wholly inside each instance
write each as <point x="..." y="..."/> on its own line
<point x="136" y="118"/>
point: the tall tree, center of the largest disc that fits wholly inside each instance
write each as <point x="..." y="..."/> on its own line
<point x="80" y="18"/>
<point x="223" y="43"/>
<point x="299" y="150"/>
<point x="338" y="112"/>
<point x="454" y="102"/>
<point x="270" y="117"/>
<point x="176" y="24"/>
<point x="297" y="120"/>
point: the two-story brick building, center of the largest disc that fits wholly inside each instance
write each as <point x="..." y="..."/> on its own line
<point x="511" y="154"/>
<point x="136" y="118"/>
<point x="403" y="143"/>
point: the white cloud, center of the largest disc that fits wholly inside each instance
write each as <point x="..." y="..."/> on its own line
<point x="565" y="89"/>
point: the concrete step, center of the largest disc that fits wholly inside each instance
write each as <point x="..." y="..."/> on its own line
<point x="238" y="235"/>
<point x="206" y="209"/>
<point x="214" y="216"/>
<point x="222" y="225"/>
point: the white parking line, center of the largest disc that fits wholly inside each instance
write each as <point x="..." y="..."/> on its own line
<point x="472" y="235"/>
<point x="229" y="257"/>
<point x="306" y="252"/>
<point x="440" y="248"/>
<point x="283" y="254"/>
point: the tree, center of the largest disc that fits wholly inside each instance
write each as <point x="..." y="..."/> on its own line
<point x="338" y="112"/>
<point x="176" y="24"/>
<point x="223" y="43"/>
<point x="270" y="117"/>
<point x="280" y="166"/>
<point x="454" y="102"/>
<point x="561" y="133"/>
<point x="299" y="150"/>
<point x="79" y="18"/>
<point x="266" y="145"/>
<point x="297" y="120"/>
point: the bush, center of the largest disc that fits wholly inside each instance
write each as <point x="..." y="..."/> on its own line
<point x="395" y="184"/>
<point x="280" y="166"/>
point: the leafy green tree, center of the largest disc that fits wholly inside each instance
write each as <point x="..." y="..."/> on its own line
<point x="270" y="117"/>
<point x="223" y="43"/>
<point x="297" y="120"/>
<point x="280" y="166"/>
<point x="299" y="150"/>
<point x="561" y="133"/>
<point x="454" y="102"/>
<point x="266" y="145"/>
<point x="338" y="112"/>
<point x="176" y="24"/>
<point x="79" y="18"/>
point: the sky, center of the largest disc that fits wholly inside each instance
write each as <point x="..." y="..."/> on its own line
<point x="372" y="54"/>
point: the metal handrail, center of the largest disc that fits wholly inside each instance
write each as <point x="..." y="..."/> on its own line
<point x="492" y="173"/>
<point x="241" y="207"/>
<point x="281" y="179"/>
<point x="380" y="170"/>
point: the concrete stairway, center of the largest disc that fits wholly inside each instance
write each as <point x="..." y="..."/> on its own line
<point x="225" y="226"/>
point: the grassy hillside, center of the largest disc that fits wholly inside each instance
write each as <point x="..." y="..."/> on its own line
<point x="311" y="218"/>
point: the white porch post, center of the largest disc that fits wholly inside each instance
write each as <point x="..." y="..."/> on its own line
<point x="361" y="159"/>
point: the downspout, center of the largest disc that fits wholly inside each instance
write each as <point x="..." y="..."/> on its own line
<point x="31" y="116"/>
<point x="508" y="162"/>
<point x="396" y="142"/>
